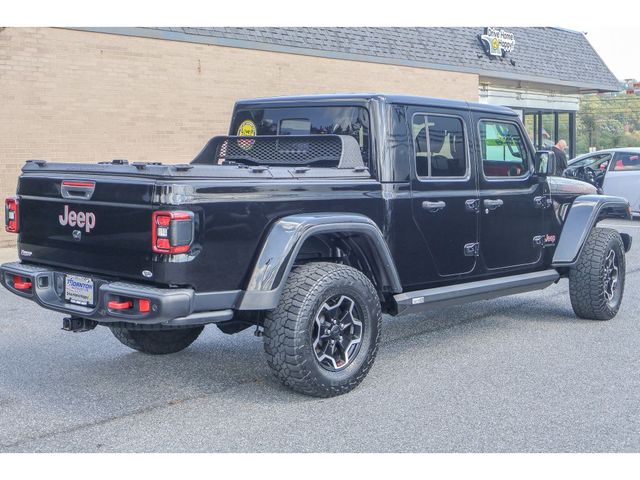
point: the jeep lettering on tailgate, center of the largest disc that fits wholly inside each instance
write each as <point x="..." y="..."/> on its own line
<point x="86" y="220"/>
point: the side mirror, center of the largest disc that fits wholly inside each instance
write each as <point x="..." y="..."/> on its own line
<point x="545" y="163"/>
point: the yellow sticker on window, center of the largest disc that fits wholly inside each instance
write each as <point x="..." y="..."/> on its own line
<point x="247" y="129"/>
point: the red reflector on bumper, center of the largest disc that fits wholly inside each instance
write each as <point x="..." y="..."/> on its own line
<point x="144" y="305"/>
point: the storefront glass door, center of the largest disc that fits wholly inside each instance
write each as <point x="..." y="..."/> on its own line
<point x="545" y="128"/>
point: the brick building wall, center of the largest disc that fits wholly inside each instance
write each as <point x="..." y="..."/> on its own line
<point x="70" y="95"/>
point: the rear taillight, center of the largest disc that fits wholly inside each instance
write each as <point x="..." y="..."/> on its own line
<point x="11" y="219"/>
<point x="172" y="232"/>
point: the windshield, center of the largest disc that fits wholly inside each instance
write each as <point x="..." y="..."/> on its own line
<point x="323" y="120"/>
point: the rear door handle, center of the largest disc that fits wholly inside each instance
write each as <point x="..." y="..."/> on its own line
<point x="492" y="204"/>
<point x="433" y="207"/>
<point x="472" y="205"/>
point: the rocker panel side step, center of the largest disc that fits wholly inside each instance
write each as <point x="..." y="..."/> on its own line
<point x="459" y="294"/>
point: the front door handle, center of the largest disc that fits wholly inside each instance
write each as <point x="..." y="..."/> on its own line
<point x="433" y="207"/>
<point x="492" y="204"/>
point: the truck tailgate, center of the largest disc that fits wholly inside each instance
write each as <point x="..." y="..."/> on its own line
<point x="104" y="231"/>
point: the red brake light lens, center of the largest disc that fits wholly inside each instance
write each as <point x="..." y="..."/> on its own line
<point x="78" y="183"/>
<point x="11" y="210"/>
<point x="163" y="244"/>
<point x="163" y="220"/>
<point x="172" y="232"/>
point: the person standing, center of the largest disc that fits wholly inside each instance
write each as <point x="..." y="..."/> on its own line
<point x="561" y="157"/>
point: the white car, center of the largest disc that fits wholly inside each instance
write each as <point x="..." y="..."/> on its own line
<point x="616" y="171"/>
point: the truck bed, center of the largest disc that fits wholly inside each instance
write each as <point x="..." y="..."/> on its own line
<point x="233" y="207"/>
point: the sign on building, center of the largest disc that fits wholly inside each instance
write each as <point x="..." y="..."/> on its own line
<point x="497" y="42"/>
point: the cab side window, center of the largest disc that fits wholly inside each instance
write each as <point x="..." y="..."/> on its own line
<point x="440" y="146"/>
<point x="503" y="149"/>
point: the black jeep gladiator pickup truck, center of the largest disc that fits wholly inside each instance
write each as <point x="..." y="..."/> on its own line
<point x="313" y="217"/>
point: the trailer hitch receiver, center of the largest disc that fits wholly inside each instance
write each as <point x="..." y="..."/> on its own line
<point x="78" y="324"/>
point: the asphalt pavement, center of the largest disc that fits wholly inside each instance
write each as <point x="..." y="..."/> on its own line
<point x="517" y="374"/>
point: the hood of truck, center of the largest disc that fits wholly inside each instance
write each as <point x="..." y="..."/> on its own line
<point x="571" y="186"/>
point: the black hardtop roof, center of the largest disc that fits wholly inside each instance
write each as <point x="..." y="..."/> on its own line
<point x="387" y="98"/>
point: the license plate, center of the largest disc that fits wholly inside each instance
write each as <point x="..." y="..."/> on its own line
<point x="78" y="290"/>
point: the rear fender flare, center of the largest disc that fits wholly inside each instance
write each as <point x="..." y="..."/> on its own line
<point x="286" y="237"/>
<point x="585" y="212"/>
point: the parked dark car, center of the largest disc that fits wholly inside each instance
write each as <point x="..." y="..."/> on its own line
<point x="313" y="217"/>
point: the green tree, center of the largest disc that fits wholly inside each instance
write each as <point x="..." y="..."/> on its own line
<point x="608" y="122"/>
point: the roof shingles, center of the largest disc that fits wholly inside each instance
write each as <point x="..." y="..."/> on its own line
<point x="540" y="53"/>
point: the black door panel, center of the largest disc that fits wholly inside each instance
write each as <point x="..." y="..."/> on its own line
<point x="444" y="190"/>
<point x="507" y="231"/>
<point x="446" y="231"/>
<point x="511" y="214"/>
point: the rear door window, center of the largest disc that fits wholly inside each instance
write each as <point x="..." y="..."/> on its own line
<point x="503" y="149"/>
<point x="440" y="146"/>
<point x="626" y="161"/>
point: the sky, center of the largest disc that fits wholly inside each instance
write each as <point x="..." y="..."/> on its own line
<point x="618" y="47"/>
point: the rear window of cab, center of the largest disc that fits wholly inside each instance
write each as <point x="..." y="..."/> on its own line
<point x="320" y="120"/>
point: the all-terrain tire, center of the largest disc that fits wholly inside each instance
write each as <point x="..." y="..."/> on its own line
<point x="309" y="295"/>
<point x="157" y="342"/>
<point x="592" y="297"/>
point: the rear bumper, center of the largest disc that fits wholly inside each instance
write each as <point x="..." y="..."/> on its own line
<point x="168" y="306"/>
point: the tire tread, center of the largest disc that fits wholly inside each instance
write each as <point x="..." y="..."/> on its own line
<point x="284" y="342"/>
<point x="585" y="278"/>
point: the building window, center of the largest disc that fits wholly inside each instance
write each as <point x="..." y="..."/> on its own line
<point x="546" y="128"/>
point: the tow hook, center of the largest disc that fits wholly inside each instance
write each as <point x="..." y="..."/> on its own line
<point x="78" y="324"/>
<point x="258" y="331"/>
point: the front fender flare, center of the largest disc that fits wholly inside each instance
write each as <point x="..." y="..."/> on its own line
<point x="585" y="212"/>
<point x="284" y="241"/>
